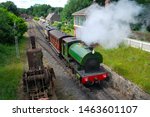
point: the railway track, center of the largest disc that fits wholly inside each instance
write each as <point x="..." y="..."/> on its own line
<point x="94" y="93"/>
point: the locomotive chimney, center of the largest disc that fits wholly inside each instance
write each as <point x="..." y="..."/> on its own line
<point x="107" y="2"/>
<point x="32" y="39"/>
<point x="94" y="1"/>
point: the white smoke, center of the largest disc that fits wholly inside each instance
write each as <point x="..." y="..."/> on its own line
<point x="109" y="25"/>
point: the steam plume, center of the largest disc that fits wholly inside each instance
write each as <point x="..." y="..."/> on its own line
<point x="109" y="25"/>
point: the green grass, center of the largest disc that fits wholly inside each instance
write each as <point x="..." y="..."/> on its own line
<point x="11" y="70"/>
<point x="131" y="63"/>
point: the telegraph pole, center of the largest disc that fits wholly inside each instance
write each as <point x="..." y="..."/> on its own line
<point x="16" y="41"/>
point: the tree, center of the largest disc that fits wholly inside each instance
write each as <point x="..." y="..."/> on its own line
<point x="144" y="17"/>
<point x="10" y="6"/>
<point x="76" y="5"/>
<point x="143" y="1"/>
<point x="7" y="31"/>
<point x="73" y="6"/>
<point x="40" y="10"/>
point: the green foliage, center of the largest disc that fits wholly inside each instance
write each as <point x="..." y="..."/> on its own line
<point x="10" y="6"/>
<point x="7" y="30"/>
<point x="76" y="5"/>
<point x="36" y="18"/>
<point x="57" y="24"/>
<point x="143" y="1"/>
<point x="148" y="28"/>
<point x="73" y="6"/>
<point x="144" y="17"/>
<point x="11" y="70"/>
<point x="131" y="63"/>
<point x="136" y="27"/>
<point x="40" y="10"/>
<point x="64" y="26"/>
<point x="67" y="28"/>
<point x="21" y="27"/>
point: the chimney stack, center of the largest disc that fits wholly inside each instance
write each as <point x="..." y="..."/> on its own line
<point x="32" y="39"/>
<point x="94" y="1"/>
<point x="107" y="2"/>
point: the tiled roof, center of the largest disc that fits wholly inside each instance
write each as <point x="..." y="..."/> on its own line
<point x="49" y="16"/>
<point x="81" y="12"/>
<point x="85" y="10"/>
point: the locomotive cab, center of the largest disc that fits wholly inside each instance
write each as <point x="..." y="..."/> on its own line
<point x="66" y="43"/>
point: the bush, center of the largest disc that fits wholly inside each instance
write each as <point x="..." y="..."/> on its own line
<point x="57" y="24"/>
<point x="7" y="29"/>
<point x="36" y="18"/>
<point x="148" y="28"/>
<point x="136" y="27"/>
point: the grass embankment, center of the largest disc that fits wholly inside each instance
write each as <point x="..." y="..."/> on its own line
<point x="131" y="63"/>
<point x="11" y="70"/>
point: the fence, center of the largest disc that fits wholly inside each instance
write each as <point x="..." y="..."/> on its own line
<point x="139" y="44"/>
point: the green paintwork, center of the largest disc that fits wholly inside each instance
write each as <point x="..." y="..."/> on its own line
<point x="82" y="53"/>
<point x="65" y="50"/>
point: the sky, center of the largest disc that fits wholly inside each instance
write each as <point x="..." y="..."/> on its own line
<point x="28" y="3"/>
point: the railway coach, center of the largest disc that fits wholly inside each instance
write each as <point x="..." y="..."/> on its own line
<point x="47" y="29"/>
<point x="55" y="39"/>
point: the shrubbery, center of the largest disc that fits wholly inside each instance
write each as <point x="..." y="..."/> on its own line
<point x="8" y="30"/>
<point x="36" y="18"/>
<point x="57" y="24"/>
<point x="64" y="26"/>
<point x="136" y="27"/>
